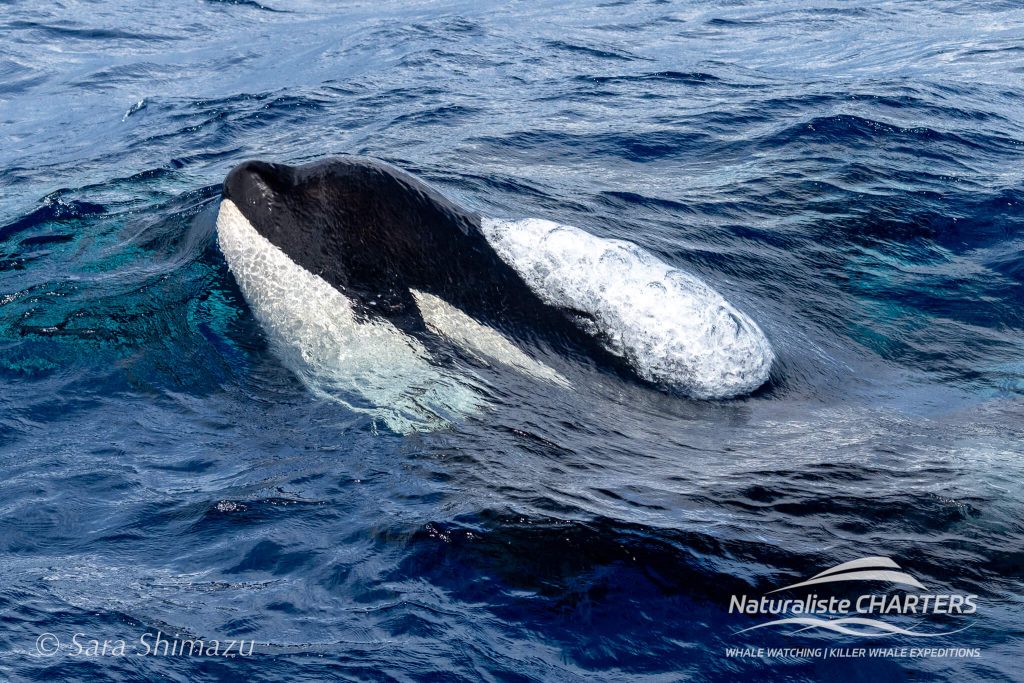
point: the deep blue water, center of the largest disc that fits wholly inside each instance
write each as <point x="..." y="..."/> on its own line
<point x="850" y="174"/>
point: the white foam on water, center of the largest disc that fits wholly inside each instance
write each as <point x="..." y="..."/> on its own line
<point x="370" y="366"/>
<point x="671" y="327"/>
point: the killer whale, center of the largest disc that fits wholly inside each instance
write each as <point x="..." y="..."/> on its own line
<point x="360" y="252"/>
<point x="378" y="234"/>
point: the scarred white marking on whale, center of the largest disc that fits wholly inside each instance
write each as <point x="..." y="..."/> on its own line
<point x="670" y="326"/>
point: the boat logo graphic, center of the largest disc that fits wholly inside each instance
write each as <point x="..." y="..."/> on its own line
<point x="862" y="615"/>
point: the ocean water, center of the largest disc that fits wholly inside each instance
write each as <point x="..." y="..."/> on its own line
<point x="851" y="175"/>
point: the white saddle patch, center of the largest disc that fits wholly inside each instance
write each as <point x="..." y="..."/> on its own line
<point x="671" y="327"/>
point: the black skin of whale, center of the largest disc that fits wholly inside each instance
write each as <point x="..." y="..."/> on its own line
<point x="374" y="232"/>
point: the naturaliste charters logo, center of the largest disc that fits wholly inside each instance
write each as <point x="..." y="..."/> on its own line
<point x="859" y="615"/>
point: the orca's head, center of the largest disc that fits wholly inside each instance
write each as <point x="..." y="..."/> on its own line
<point x="285" y="205"/>
<point x="322" y="215"/>
<point x="351" y="220"/>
